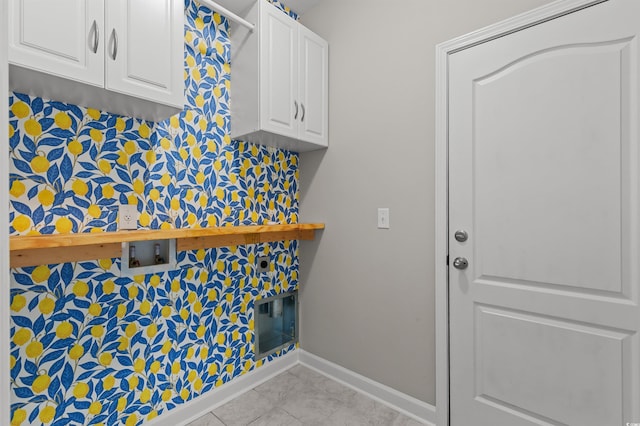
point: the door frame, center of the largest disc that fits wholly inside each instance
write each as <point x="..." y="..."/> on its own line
<point x="443" y="50"/>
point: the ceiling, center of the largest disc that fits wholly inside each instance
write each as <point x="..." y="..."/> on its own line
<point x="238" y="6"/>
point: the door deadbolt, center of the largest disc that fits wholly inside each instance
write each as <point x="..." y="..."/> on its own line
<point x="461" y="235"/>
<point x="460" y="263"/>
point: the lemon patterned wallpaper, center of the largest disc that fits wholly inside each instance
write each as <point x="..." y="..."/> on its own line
<point x="91" y="347"/>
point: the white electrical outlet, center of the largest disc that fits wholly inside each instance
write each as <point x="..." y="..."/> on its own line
<point x="383" y="218"/>
<point x="127" y="216"/>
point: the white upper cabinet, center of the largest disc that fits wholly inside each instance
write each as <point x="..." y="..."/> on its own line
<point x="121" y="56"/>
<point x="280" y="82"/>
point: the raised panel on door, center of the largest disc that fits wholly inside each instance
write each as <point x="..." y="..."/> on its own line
<point x="279" y="105"/>
<point x="61" y="37"/>
<point x="543" y="175"/>
<point x="314" y="80"/>
<point x="145" y="49"/>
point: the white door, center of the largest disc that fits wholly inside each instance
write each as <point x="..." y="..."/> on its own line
<point x="145" y="49"/>
<point x="279" y="105"/>
<point x="62" y="37"/>
<point x="544" y="177"/>
<point x="314" y="90"/>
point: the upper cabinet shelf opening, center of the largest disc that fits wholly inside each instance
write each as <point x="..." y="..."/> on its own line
<point x="280" y="82"/>
<point x="119" y="56"/>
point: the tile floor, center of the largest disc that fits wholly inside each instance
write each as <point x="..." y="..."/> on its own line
<point x="301" y="396"/>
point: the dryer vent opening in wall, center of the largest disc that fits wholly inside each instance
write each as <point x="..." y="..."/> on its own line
<point x="276" y="323"/>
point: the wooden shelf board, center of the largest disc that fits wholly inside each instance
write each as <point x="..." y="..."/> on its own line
<point x="60" y="248"/>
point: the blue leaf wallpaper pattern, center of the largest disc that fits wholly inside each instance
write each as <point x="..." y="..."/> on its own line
<point x="92" y="347"/>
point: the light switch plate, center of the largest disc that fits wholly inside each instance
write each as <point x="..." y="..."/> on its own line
<point x="127" y="216"/>
<point x="383" y="218"/>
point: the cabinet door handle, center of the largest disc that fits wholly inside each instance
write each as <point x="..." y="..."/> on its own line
<point x="114" y="36"/>
<point x="295" y="117"/>
<point x="303" y="112"/>
<point x="96" y="36"/>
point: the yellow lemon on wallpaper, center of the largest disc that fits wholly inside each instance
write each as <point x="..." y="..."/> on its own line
<point x="174" y="122"/>
<point x="212" y="295"/>
<point x="196" y="152"/>
<point x="75" y="147"/>
<point x="95" y="408"/>
<point x="219" y="120"/>
<point x="228" y="354"/>
<point x="183" y="154"/>
<point x="21" y="223"/>
<point x="199" y="23"/>
<point x="122" y="403"/>
<point x="201" y="330"/>
<point x="175" y="203"/>
<point x="165" y="179"/>
<point x="133" y="382"/>
<point x="95" y="212"/>
<point x="34" y="349"/>
<point x="41" y="383"/>
<point x="124" y="344"/>
<point x="123" y="158"/>
<point x="120" y="124"/>
<point x="221" y="339"/>
<point x="165" y="144"/>
<point x="64" y="225"/>
<point x="12" y="131"/>
<point x="46" y="414"/>
<point x="108" y="382"/>
<point x="204" y="277"/>
<point x="130" y="147"/>
<point x="166" y="311"/>
<point x="105" y="167"/>
<point x="152" y="415"/>
<point x="192" y="375"/>
<point x="133" y="292"/>
<point x="227" y="67"/>
<point x="17" y="188"/>
<point x="145" y="396"/>
<point x="202" y="47"/>
<point x="218" y="311"/>
<point x="151" y="157"/>
<point x="144" y="219"/>
<point x="165" y="225"/>
<point x="175" y="367"/>
<point x="20" y="109"/>
<point x="199" y="101"/>
<point x="200" y="178"/>
<point x="213" y="369"/>
<point x="197" y="307"/>
<point x="155" y="367"/>
<point x="166" y="395"/>
<point x="96" y="135"/>
<point x="19" y="416"/>
<point x="39" y="164"/>
<point x="80" y="187"/>
<point x="46" y="305"/>
<point x="191" y="297"/>
<point x="184" y="314"/>
<point x="46" y="197"/>
<point x="33" y="127"/>
<point x="154" y="194"/>
<point x="131" y="330"/>
<point x="76" y="351"/>
<point x="217" y="92"/>
<point x="93" y="113"/>
<point x="217" y="165"/>
<point x="97" y="331"/>
<point x="184" y="394"/>
<point x="138" y="365"/>
<point x="18" y="302"/>
<point x="166" y="347"/>
<point x="80" y="390"/>
<point x="144" y="130"/>
<point x="152" y="330"/>
<point x="154" y="280"/>
<point x="145" y="307"/>
<point x="108" y="191"/>
<point x="108" y="287"/>
<point x="204" y="353"/>
<point x="105" y="359"/>
<point x="95" y="309"/>
<point x="138" y="186"/>
<point x="64" y="330"/>
<point x="80" y="289"/>
<point x="191" y="352"/>
<point x="21" y="336"/>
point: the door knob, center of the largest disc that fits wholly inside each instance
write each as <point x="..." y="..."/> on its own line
<point x="461" y="236"/>
<point x="460" y="263"/>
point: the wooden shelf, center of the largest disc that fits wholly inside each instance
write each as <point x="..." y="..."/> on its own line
<point x="61" y="248"/>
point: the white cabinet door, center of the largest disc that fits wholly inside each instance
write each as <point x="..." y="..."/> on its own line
<point x="144" y="50"/>
<point x="61" y="37"/>
<point x="313" y="91"/>
<point x="280" y="108"/>
<point x="544" y="165"/>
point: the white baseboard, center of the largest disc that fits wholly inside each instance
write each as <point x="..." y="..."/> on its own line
<point x="198" y="407"/>
<point x="408" y="405"/>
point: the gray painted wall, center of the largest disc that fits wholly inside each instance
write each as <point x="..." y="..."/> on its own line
<point x="367" y="295"/>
